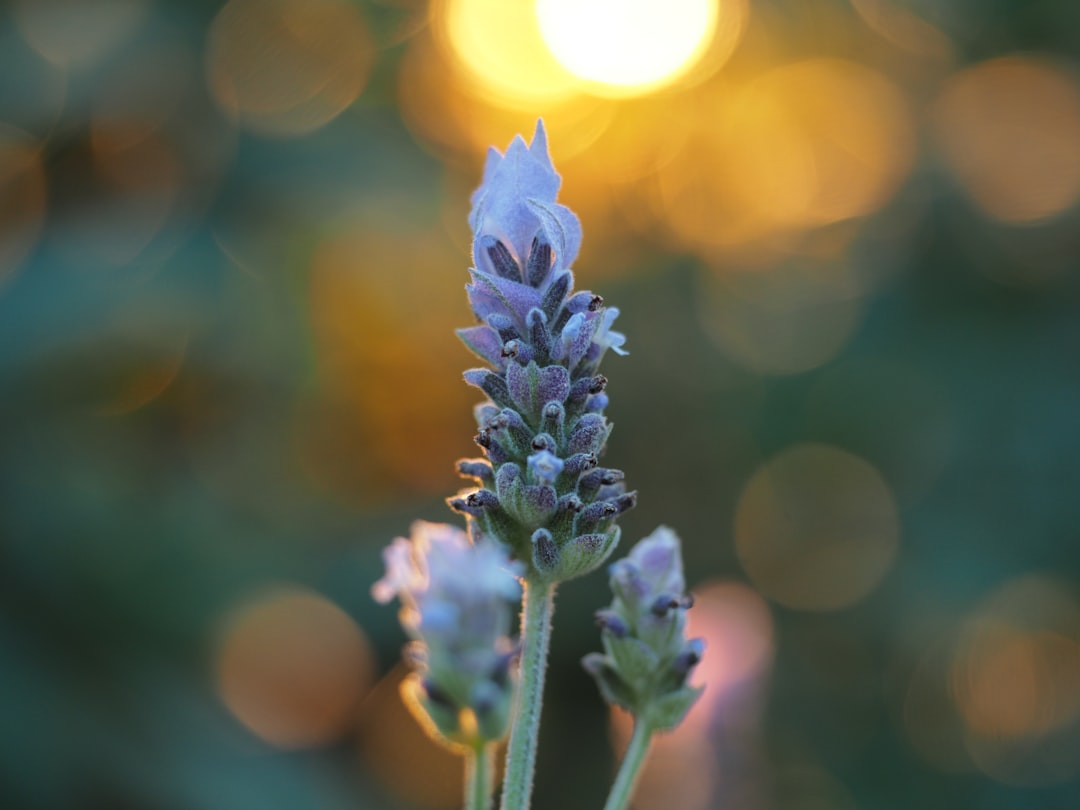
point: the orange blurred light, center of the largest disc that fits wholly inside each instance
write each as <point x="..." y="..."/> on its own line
<point x="382" y="370"/>
<point x="500" y="46"/>
<point x="1009" y="130"/>
<point x="288" y="67"/>
<point x="1015" y="677"/>
<point x="293" y="667"/>
<point x="397" y="750"/>
<point x="805" y="145"/>
<point x="682" y="769"/>
<point x="627" y="47"/>
<point x="443" y="104"/>
<point x="22" y="198"/>
<point x="816" y="528"/>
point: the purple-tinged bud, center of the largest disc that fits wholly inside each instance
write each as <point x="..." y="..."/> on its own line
<point x="545" y="552"/>
<point x="507" y="479"/>
<point x="652" y="659"/>
<point x="588" y="435"/>
<point x="509" y="423"/>
<point x="610" y="621"/>
<point x="495" y="451"/>
<point x="595" y="517"/>
<point x="518" y="351"/>
<point x="537" y="505"/>
<point x="505" y="265"/>
<point x="484" y="342"/>
<point x="589" y="483"/>
<point x="552" y="419"/>
<point x="491" y="384"/>
<point x="574" y="338"/>
<point x="626" y="502"/>
<point x="543" y="441"/>
<point x="555" y="294"/>
<point x="532" y="387"/>
<point x="688" y="658"/>
<point x="457" y="602"/>
<point x="476" y="503"/>
<point x="664" y="604"/>
<point x="544" y="467"/>
<point x="539" y="337"/>
<point x="539" y="264"/>
<point x="609" y="477"/>
<point x="581" y="302"/>
<point x="567" y="509"/>
<point x="504" y="325"/>
<point x="476" y="468"/>
<point x="579" y="463"/>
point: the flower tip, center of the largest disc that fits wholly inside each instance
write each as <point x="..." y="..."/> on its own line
<point x="539" y="146"/>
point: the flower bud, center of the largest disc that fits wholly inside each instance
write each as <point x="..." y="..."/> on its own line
<point x="647" y="660"/>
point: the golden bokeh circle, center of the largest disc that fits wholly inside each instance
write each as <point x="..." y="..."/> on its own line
<point x="288" y="67"/>
<point x="816" y="528"/>
<point x="292" y="667"/>
<point x="1009" y="131"/>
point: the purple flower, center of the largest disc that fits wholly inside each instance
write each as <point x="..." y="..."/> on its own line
<point x="457" y="605"/>
<point x="519" y="232"/>
<point x="543" y="428"/>
<point x="647" y="658"/>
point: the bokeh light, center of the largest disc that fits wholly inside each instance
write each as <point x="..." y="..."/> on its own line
<point x="501" y="47"/>
<point x="805" y="145"/>
<point x="368" y="344"/>
<point x="71" y="32"/>
<point x="627" y="46"/>
<point x="1015" y="678"/>
<point x="816" y="528"/>
<point x="687" y="763"/>
<point x="1009" y="130"/>
<point x="288" y="67"/>
<point x="292" y="667"/>
<point x="401" y="755"/>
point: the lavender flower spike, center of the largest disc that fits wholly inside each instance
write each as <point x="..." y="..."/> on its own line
<point x="543" y="429"/>
<point x="457" y="602"/>
<point x="647" y="659"/>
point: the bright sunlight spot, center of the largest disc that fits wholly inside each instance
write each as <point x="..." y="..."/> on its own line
<point x="627" y="46"/>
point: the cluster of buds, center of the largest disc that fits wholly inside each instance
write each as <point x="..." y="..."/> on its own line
<point x="647" y="659"/>
<point x="542" y="491"/>
<point x="457" y="603"/>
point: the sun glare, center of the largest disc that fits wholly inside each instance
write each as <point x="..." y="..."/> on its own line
<point x="627" y="47"/>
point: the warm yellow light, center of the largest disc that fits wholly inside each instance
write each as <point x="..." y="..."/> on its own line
<point x="627" y="46"/>
<point x="500" y="46"/>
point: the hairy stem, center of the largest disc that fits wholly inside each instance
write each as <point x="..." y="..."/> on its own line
<point x="538" y="605"/>
<point x="479" y="777"/>
<point x="623" y="789"/>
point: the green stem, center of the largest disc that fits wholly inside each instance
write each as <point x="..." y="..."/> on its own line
<point x="538" y="605"/>
<point x="623" y="789"/>
<point x="479" y="777"/>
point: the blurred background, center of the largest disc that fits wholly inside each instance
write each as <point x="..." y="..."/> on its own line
<point x="845" y="239"/>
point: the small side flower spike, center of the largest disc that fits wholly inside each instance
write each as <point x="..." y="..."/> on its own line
<point x="647" y="660"/>
<point x="457" y="602"/>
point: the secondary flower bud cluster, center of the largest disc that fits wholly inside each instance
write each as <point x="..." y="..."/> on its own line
<point x="647" y="659"/>
<point x="542" y="490"/>
<point x="457" y="602"/>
